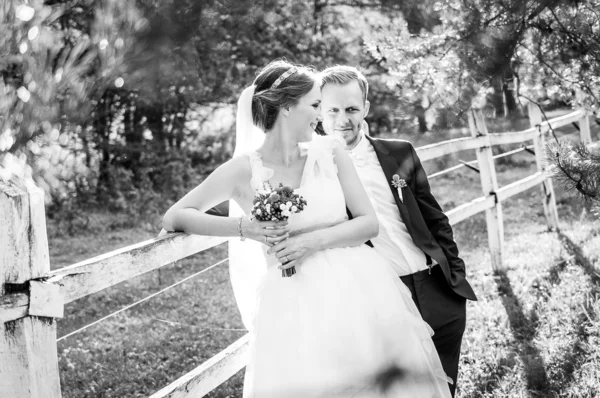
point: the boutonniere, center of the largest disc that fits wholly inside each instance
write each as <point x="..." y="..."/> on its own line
<point x="398" y="183"/>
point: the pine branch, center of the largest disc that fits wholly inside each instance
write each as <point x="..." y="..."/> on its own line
<point x="576" y="167"/>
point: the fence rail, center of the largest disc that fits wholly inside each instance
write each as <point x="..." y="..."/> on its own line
<point x="32" y="296"/>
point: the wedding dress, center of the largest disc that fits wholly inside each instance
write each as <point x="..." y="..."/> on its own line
<point x="343" y="319"/>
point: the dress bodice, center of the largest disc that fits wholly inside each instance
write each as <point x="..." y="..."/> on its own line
<point x="319" y="185"/>
<point x="348" y="315"/>
<point x="326" y="205"/>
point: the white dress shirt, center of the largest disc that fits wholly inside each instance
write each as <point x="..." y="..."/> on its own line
<point x="393" y="242"/>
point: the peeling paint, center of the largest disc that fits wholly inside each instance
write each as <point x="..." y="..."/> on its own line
<point x="10" y="329"/>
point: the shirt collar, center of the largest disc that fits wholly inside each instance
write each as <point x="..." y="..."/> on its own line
<point x="362" y="148"/>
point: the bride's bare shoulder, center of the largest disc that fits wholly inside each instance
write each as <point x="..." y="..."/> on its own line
<point x="237" y="167"/>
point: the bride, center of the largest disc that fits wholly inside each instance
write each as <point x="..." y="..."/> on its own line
<point x="344" y="321"/>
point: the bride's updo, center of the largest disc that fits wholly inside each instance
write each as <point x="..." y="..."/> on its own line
<point x="279" y="85"/>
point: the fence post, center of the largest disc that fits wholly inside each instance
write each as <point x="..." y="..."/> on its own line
<point x="489" y="185"/>
<point x="539" y="144"/>
<point x="584" y="129"/>
<point x="28" y="351"/>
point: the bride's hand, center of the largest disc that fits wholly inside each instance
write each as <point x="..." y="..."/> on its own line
<point x="294" y="250"/>
<point x="266" y="232"/>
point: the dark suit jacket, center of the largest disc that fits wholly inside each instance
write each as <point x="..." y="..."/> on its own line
<point x="426" y="222"/>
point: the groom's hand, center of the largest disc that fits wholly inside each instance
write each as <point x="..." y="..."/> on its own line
<point x="294" y="250"/>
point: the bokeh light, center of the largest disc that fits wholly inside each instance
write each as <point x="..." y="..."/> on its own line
<point x="33" y="33"/>
<point x="58" y="75"/>
<point x="23" y="94"/>
<point x="25" y="13"/>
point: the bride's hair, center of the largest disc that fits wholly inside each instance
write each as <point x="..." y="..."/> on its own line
<point x="268" y="99"/>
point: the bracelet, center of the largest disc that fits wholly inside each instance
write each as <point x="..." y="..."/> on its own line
<point x="242" y="237"/>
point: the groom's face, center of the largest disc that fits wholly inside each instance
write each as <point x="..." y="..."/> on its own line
<point x="344" y="109"/>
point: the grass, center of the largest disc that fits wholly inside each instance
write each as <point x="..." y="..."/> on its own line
<point x="534" y="332"/>
<point x="140" y="350"/>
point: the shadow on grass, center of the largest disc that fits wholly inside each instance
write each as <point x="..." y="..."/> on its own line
<point x="523" y="328"/>
<point x="585" y="264"/>
<point x="571" y="360"/>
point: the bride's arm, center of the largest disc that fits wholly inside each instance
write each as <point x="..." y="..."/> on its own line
<point x="188" y="214"/>
<point x="360" y="229"/>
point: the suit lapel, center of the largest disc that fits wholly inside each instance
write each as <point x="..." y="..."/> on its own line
<point x="390" y="166"/>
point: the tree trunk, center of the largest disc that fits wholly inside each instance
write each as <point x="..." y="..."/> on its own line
<point x="497" y="97"/>
<point x="101" y="125"/>
<point x="155" y="124"/>
<point x="420" y="114"/>
<point x="512" y="108"/>
<point x="510" y="90"/>
<point x="133" y="136"/>
<point x="318" y="6"/>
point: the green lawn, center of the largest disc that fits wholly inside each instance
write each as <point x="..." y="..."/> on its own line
<point x="533" y="333"/>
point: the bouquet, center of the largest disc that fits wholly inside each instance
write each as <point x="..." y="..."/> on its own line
<point x="277" y="205"/>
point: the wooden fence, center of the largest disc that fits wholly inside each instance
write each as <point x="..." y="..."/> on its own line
<point x="32" y="295"/>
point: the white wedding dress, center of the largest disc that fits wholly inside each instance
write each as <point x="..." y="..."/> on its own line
<point x="342" y="319"/>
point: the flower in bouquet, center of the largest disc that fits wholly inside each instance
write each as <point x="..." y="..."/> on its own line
<point x="277" y="205"/>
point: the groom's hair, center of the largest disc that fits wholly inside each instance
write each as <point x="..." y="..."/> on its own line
<point x="268" y="100"/>
<point x="344" y="74"/>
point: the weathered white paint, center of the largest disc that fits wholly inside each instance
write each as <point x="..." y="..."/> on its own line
<point x="584" y="129"/>
<point x="15" y="240"/>
<point x="560" y="121"/>
<point x="45" y="299"/>
<point x="13" y="306"/>
<point x="513" y="138"/>
<point x="433" y="151"/>
<point x="469" y="209"/>
<point x="210" y="374"/>
<point x="522" y="185"/>
<point x="489" y="186"/>
<point x="539" y="147"/>
<point x="28" y="357"/>
<point x="98" y="273"/>
<point x="436" y="150"/>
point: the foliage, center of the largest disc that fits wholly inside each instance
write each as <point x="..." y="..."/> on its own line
<point x="563" y="44"/>
<point x="577" y="168"/>
<point x="50" y="69"/>
<point x="493" y="53"/>
<point x="94" y="88"/>
<point x="109" y="91"/>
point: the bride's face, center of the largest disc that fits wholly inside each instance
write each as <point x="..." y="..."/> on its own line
<point x="304" y="116"/>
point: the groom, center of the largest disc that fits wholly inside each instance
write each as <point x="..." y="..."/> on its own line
<point x="414" y="233"/>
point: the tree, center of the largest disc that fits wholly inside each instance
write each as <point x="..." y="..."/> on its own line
<point x="498" y="50"/>
<point x="124" y="83"/>
<point x="577" y="168"/>
<point x="51" y="68"/>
